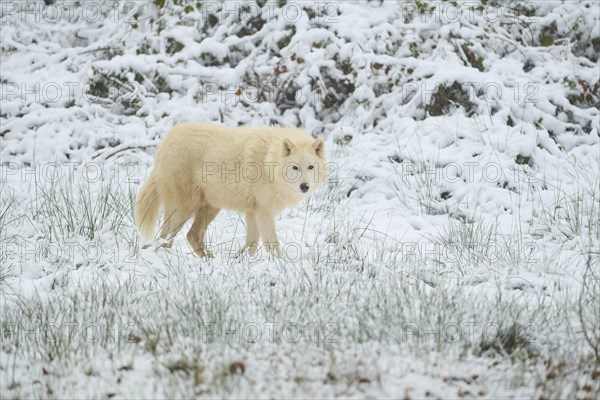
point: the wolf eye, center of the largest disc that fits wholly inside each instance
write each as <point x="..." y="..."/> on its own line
<point x="295" y="168"/>
<point x="310" y="167"/>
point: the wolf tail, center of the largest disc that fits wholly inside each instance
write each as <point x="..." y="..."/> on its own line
<point x="147" y="208"/>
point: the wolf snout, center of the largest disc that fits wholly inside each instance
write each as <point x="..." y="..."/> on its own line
<point x="304" y="187"/>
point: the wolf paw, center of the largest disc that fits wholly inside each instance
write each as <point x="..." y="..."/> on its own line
<point x="167" y="244"/>
<point x="203" y="253"/>
<point x="274" y="249"/>
<point x="251" y="247"/>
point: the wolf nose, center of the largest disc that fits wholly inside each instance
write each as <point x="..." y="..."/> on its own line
<point x="304" y="187"/>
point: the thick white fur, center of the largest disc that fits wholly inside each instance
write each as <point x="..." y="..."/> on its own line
<point x="201" y="168"/>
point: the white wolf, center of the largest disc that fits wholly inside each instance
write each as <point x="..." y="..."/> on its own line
<point x="201" y="168"/>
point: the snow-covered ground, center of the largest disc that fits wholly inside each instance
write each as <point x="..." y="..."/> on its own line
<point x="454" y="251"/>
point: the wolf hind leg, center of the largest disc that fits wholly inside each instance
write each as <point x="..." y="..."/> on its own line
<point x="195" y="236"/>
<point x="175" y="218"/>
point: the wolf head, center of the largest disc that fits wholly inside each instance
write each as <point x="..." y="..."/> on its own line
<point x="303" y="166"/>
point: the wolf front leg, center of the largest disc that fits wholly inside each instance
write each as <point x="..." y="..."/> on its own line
<point x="265" y="222"/>
<point x="252" y="236"/>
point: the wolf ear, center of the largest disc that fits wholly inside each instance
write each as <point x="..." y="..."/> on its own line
<point x="319" y="147"/>
<point x="287" y="147"/>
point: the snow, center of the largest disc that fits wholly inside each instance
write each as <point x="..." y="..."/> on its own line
<point x="483" y="216"/>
